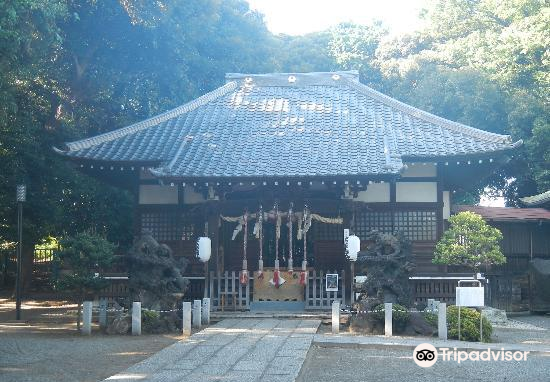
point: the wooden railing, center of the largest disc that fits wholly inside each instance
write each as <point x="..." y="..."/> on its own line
<point x="43" y="255"/>
<point x="317" y="296"/>
<point x="440" y="289"/>
<point x="117" y="288"/>
<point x="226" y="291"/>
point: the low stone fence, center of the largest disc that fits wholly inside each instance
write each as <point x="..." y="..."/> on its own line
<point x="193" y="315"/>
<point x="440" y="307"/>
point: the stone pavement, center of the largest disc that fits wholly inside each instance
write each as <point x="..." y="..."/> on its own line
<point x="232" y="350"/>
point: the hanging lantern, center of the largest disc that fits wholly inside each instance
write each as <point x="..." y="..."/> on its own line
<point x="204" y="249"/>
<point x="353" y="246"/>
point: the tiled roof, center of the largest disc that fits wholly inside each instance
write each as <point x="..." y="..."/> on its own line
<point x="289" y="125"/>
<point x="537" y="200"/>
<point x="506" y="213"/>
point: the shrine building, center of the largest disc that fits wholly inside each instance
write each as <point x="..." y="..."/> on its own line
<point x="312" y="154"/>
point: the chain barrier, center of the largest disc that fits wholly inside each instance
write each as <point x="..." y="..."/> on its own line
<point x="110" y="310"/>
<point x="351" y="311"/>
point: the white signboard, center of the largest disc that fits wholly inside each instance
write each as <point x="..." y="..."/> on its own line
<point x="473" y="296"/>
<point x="346" y="234"/>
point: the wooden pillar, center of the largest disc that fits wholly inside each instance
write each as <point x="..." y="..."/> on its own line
<point x="393" y="203"/>
<point x="137" y="210"/>
<point x="213" y="221"/>
<point x="439" y="212"/>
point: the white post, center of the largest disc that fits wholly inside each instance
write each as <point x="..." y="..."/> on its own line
<point x="87" y="318"/>
<point x="388" y="319"/>
<point x="136" y="318"/>
<point x="442" y="321"/>
<point x="205" y="311"/>
<point x="186" y="313"/>
<point x="335" y="317"/>
<point x="197" y="305"/>
<point x="103" y="313"/>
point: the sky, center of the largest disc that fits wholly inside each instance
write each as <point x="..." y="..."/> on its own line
<point x="297" y="17"/>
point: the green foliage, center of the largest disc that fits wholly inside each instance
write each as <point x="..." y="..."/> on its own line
<point x="81" y="260"/>
<point x="400" y="315"/>
<point x="150" y="320"/>
<point x="71" y="69"/>
<point x="469" y="324"/>
<point x="469" y="241"/>
<point x="538" y="147"/>
<point x="431" y="318"/>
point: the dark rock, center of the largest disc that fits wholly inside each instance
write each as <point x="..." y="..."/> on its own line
<point x="366" y="324"/>
<point x="120" y="325"/>
<point x="419" y="326"/>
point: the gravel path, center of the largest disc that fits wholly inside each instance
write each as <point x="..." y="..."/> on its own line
<point x="45" y="346"/>
<point x="359" y="364"/>
<point x="35" y="356"/>
<point x="524" y="329"/>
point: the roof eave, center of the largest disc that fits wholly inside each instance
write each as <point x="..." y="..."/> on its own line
<point x="462" y="156"/>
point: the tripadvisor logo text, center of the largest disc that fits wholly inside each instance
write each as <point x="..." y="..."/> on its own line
<point x="426" y="355"/>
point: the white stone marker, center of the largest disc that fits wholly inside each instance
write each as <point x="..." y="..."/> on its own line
<point x="335" y="317"/>
<point x="186" y="312"/>
<point x="136" y="318"/>
<point x="442" y="321"/>
<point x="87" y="318"/>
<point x="102" y="313"/>
<point x="388" y="307"/>
<point x="430" y="305"/>
<point x="206" y="311"/>
<point x="197" y="306"/>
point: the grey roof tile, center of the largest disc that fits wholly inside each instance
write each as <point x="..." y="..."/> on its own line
<point x="265" y="126"/>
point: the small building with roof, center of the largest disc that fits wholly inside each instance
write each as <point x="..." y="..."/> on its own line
<point x="525" y="237"/>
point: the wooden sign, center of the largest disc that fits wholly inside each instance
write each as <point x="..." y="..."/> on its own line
<point x="290" y="290"/>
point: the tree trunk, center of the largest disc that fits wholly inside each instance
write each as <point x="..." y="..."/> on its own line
<point x="27" y="257"/>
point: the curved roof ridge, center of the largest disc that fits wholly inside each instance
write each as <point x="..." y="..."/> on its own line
<point x="295" y="79"/>
<point x="535" y="200"/>
<point x="153" y="121"/>
<point x="429" y="117"/>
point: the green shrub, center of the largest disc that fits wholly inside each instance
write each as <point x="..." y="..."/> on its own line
<point x="150" y="320"/>
<point x="431" y="318"/>
<point x="469" y="324"/>
<point x="401" y="315"/>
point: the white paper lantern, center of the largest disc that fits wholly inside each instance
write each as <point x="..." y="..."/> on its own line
<point x="204" y="249"/>
<point x="354" y="246"/>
